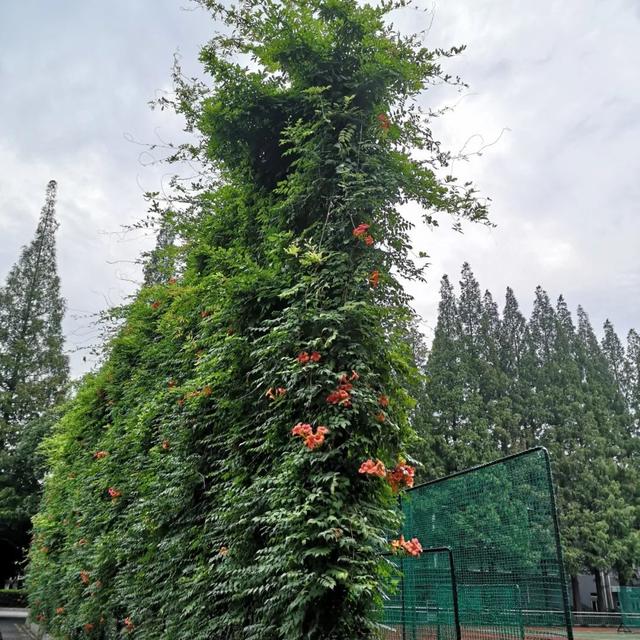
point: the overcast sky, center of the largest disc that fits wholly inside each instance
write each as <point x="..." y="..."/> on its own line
<point x="555" y="84"/>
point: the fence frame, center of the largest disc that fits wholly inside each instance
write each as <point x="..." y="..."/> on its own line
<point x="628" y="616"/>
<point x="554" y="516"/>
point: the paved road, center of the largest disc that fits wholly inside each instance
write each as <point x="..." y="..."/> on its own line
<point x="13" y="629"/>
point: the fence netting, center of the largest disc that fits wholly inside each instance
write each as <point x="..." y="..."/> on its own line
<point x="423" y="604"/>
<point x="499" y="523"/>
<point x="629" y="598"/>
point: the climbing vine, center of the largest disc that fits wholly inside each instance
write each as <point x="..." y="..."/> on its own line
<point x="232" y="470"/>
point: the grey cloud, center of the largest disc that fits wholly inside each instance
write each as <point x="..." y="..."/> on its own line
<point x="560" y="75"/>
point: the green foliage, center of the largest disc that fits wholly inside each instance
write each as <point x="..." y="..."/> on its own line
<point x="501" y="385"/>
<point x="179" y="504"/>
<point x="33" y="379"/>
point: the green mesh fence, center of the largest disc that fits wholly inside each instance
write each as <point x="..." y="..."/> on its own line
<point x="629" y="598"/>
<point x="500" y="523"/>
<point x="423" y="605"/>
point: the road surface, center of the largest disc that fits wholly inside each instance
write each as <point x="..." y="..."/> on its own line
<point x="13" y="629"/>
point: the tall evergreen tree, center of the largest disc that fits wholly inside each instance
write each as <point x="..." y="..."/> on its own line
<point x="33" y="372"/>
<point x="440" y="409"/>
<point x="512" y="341"/>
<point x="633" y="377"/>
<point x="594" y="498"/>
<point x="614" y="353"/>
<point x="493" y="380"/>
<point x="631" y="472"/>
<point x="626" y="520"/>
<point x="470" y="310"/>
<point x="464" y="386"/>
<point x="537" y="367"/>
<point x="478" y="326"/>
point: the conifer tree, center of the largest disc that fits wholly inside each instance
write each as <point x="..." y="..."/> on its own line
<point x="33" y="371"/>
<point x="470" y="310"/>
<point x="463" y="385"/>
<point x="625" y="530"/>
<point x="512" y="340"/>
<point x="614" y="353"/>
<point x="493" y="380"/>
<point x="630" y="474"/>
<point x="440" y="416"/>
<point x="478" y="324"/>
<point x="537" y="368"/>
<point x="632" y="375"/>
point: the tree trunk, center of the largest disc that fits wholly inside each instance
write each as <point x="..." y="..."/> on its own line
<point x="575" y="589"/>
<point x="602" y="606"/>
<point x="607" y="583"/>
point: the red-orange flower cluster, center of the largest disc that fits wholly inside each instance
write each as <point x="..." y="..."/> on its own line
<point x="372" y="468"/>
<point x="59" y="611"/>
<point x="342" y="394"/>
<point x="311" y="439"/>
<point x="412" y="547"/>
<point x="274" y="394"/>
<point x="361" y="232"/>
<point x="305" y="358"/>
<point x="402" y="475"/>
<point x="374" y="279"/>
<point x="84" y="577"/>
<point x="114" y="493"/>
<point x="155" y="304"/>
<point x="384" y="121"/>
<point x="88" y="627"/>
<point x="383" y="401"/>
<point x="128" y="623"/>
<point x="98" y="455"/>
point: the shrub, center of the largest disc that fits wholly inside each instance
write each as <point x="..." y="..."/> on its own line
<point x="13" y="598"/>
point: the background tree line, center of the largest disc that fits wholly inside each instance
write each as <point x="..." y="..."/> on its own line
<point x="497" y="383"/>
<point x="34" y="374"/>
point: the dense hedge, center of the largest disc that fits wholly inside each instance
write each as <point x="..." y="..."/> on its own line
<point x="13" y="598"/>
<point x="224" y="474"/>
